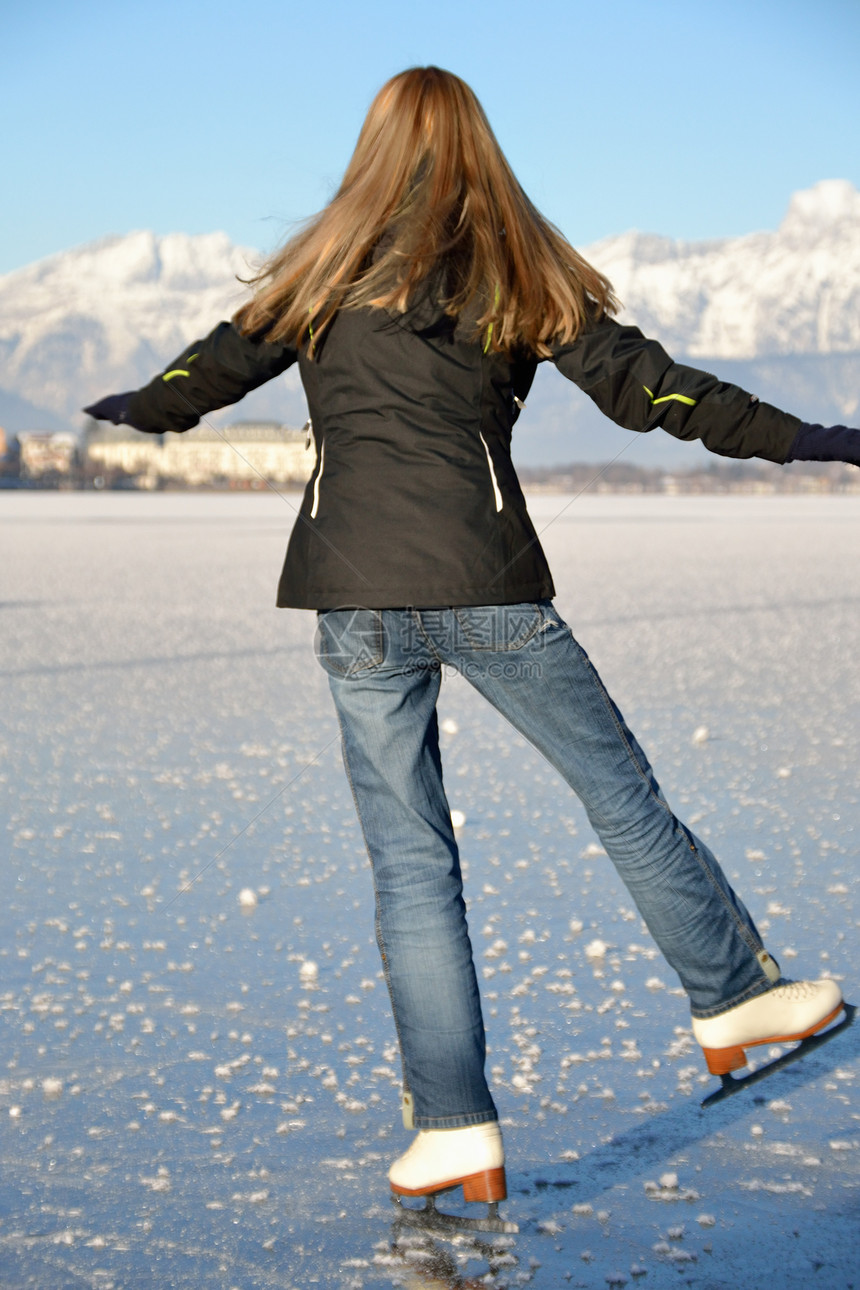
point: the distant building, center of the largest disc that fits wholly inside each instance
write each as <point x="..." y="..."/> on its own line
<point x="245" y="452"/>
<point x="120" y="450"/>
<point x="47" y="454"/>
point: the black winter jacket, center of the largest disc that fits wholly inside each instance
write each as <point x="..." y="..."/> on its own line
<point x="414" y="499"/>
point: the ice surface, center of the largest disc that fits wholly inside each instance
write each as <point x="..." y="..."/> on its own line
<point x="198" y="1089"/>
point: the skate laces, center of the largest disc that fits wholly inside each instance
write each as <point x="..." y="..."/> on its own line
<point x="796" y="991"/>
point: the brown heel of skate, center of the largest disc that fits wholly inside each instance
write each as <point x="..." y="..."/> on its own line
<point x="723" y="1060"/>
<point x="487" y="1186"/>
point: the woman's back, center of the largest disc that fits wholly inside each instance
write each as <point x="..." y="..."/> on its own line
<point x="414" y="499"/>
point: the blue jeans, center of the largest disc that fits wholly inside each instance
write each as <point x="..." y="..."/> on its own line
<point x="385" y="669"/>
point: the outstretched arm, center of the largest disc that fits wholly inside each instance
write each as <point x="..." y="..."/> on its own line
<point x="208" y="374"/>
<point x="635" y="383"/>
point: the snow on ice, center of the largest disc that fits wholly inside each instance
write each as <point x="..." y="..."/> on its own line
<point x="217" y="1096"/>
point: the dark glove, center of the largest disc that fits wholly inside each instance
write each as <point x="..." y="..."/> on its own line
<point x="826" y="443"/>
<point x="113" y="408"/>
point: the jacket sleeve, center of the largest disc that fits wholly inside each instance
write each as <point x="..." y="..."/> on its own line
<point x="636" y="384"/>
<point x="208" y="374"/>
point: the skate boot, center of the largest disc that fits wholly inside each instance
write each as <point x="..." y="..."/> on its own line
<point x="440" y="1159"/>
<point x="788" y="1012"/>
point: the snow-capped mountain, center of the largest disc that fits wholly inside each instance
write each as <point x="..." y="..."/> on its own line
<point x="108" y="315"/>
<point x="777" y="311"/>
<point x="795" y="291"/>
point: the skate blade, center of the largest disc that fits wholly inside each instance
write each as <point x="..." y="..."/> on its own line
<point x="429" y="1218"/>
<point x="732" y="1084"/>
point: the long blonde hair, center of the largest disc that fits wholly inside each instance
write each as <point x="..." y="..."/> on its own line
<point x="429" y="175"/>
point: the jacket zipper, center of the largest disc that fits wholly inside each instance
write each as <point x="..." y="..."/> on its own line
<point x="316" y="502"/>
<point x="496" y="493"/>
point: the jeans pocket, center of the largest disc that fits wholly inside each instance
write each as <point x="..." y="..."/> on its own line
<point x="499" y="628"/>
<point x="349" y="641"/>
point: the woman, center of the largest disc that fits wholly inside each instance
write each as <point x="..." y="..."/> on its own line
<point x="417" y="305"/>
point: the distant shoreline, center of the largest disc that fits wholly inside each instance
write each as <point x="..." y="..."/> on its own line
<point x="615" y="478"/>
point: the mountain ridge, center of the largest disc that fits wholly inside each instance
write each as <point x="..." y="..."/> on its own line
<point x="107" y="315"/>
<point x="792" y="291"/>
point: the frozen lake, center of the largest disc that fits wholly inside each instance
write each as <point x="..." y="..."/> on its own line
<point x="197" y="1091"/>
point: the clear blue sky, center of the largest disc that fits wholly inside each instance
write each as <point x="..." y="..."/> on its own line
<point x="693" y="118"/>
